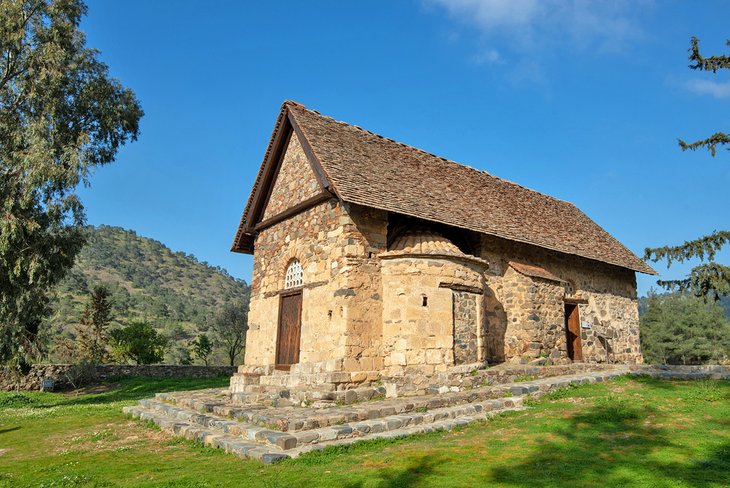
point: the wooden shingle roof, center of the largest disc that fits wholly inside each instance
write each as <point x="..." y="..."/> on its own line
<point x="367" y="169"/>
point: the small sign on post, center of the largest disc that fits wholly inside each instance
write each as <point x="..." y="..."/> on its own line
<point x="47" y="384"/>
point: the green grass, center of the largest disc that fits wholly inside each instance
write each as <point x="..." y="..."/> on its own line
<point x="627" y="432"/>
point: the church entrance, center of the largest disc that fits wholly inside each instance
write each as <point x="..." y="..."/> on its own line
<point x="290" y="328"/>
<point x="572" y="331"/>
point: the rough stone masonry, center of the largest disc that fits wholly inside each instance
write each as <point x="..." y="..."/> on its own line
<point x="374" y="259"/>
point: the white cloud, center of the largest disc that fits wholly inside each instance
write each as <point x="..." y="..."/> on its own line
<point x="530" y="27"/>
<point x="488" y="56"/>
<point x="493" y="13"/>
<point x="716" y="89"/>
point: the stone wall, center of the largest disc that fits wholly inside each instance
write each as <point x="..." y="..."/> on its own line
<point x="525" y="314"/>
<point x="367" y="238"/>
<point x="418" y="315"/>
<point x="460" y="378"/>
<point x="336" y="245"/>
<point x="527" y="318"/>
<point x="295" y="181"/>
<point x="68" y="375"/>
<point x="313" y="237"/>
<point x="466" y="327"/>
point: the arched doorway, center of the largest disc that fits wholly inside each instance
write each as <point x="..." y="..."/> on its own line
<point x="290" y="317"/>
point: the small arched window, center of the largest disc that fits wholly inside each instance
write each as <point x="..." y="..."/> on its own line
<point x="294" y="274"/>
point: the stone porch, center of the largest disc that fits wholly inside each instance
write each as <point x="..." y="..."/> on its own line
<point x="274" y="422"/>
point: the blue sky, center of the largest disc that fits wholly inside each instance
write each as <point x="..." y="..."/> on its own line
<point x="580" y="100"/>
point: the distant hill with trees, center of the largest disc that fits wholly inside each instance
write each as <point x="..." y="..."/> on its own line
<point x="722" y="302"/>
<point x="172" y="291"/>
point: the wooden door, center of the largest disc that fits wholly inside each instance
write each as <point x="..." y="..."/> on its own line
<point x="290" y="327"/>
<point x="572" y="330"/>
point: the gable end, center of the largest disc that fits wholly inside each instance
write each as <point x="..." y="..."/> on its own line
<point x="288" y="149"/>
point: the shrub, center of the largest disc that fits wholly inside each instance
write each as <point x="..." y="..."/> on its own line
<point x="139" y="342"/>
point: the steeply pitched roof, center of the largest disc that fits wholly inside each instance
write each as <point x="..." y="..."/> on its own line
<point x="364" y="168"/>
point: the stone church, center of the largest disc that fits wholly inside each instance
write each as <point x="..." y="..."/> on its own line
<point x="373" y="259"/>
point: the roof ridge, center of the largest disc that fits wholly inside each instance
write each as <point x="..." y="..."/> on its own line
<point x="417" y="149"/>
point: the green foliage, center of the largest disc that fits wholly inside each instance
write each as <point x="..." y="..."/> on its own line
<point x="80" y="373"/>
<point x="713" y="64"/>
<point x="708" y="280"/>
<point x="677" y="329"/>
<point x="178" y="353"/>
<point x="702" y="248"/>
<point x="202" y="348"/>
<point x="230" y="327"/>
<point x="138" y="342"/>
<point x="61" y="115"/>
<point x="15" y="399"/>
<point x="92" y="338"/>
<point x="707" y="391"/>
<point x="173" y="291"/>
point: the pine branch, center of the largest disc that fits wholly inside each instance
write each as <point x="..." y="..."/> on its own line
<point x="702" y="248"/>
<point x="710" y="280"/>
<point x="711" y="143"/>
<point x="713" y="63"/>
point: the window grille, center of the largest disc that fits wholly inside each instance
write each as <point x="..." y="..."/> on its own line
<point x="294" y="274"/>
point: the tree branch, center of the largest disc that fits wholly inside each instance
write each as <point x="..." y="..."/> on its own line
<point x="719" y="138"/>
<point x="710" y="280"/>
<point x="713" y="63"/>
<point x="704" y="247"/>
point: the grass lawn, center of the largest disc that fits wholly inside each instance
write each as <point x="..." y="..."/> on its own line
<point x="628" y="432"/>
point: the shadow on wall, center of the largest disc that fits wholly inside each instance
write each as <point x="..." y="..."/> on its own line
<point x="495" y="325"/>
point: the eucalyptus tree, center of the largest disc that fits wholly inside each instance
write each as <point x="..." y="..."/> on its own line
<point x="61" y="116"/>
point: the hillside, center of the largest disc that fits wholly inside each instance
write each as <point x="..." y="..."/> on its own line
<point x="724" y="302"/>
<point x="173" y="291"/>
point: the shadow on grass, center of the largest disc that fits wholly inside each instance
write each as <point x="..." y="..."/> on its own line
<point x="712" y="470"/>
<point x="129" y="389"/>
<point x="658" y="383"/>
<point x="615" y="443"/>
<point x="138" y="388"/>
<point x="410" y="476"/>
<point x="10" y="429"/>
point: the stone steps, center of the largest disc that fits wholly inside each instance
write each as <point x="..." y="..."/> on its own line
<point x="272" y="434"/>
<point x="286" y="441"/>
<point x="293" y="419"/>
<point x="269" y="446"/>
<point x="325" y="393"/>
